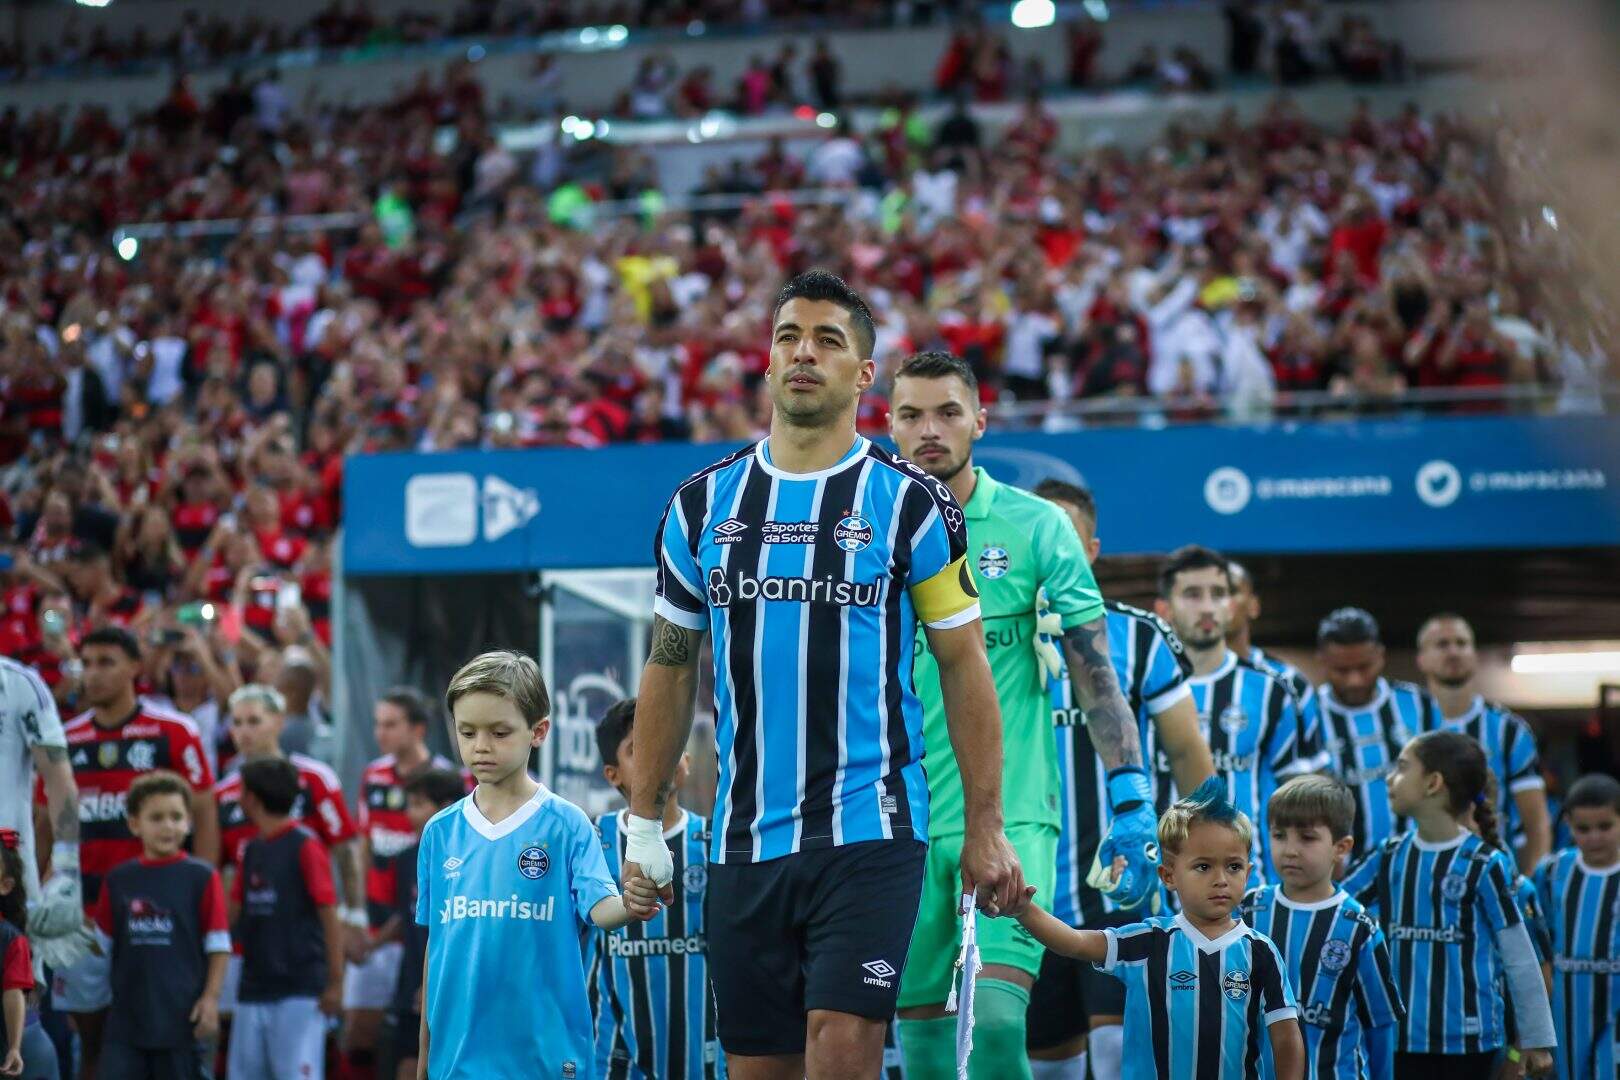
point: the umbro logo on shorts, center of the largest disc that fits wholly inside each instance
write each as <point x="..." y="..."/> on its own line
<point x="880" y="973"/>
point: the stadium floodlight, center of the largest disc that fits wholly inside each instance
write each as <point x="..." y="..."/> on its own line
<point x="1597" y="661"/>
<point x="1033" y="14"/>
<point x="617" y="33"/>
<point x="589" y="35"/>
<point x="94" y="3"/>
<point x="128" y="246"/>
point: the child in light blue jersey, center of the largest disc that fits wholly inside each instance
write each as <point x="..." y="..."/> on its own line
<point x="1206" y="996"/>
<point x="508" y="880"/>
<point x="1338" y="962"/>
<point x="1457" y="935"/>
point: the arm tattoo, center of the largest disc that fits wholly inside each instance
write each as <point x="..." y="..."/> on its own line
<point x="65" y="825"/>
<point x="671" y="644"/>
<point x="1108" y="717"/>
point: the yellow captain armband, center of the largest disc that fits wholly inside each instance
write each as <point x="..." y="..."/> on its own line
<point x="949" y="598"/>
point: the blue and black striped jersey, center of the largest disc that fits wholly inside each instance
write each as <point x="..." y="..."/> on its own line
<point x="1510" y="750"/>
<point x="1582" y="908"/>
<point x="1443" y="906"/>
<point x="1152" y="670"/>
<point x="1304" y="692"/>
<point x="649" y="983"/>
<point x="1339" y="966"/>
<point x="1251" y="721"/>
<point x="1196" y="1008"/>
<point x="1361" y="744"/>
<point x="811" y="585"/>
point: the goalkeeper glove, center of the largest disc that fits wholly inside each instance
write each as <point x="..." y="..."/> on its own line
<point x="1048" y="632"/>
<point x="61" y="903"/>
<point x="61" y="951"/>
<point x="644" y="845"/>
<point x="1132" y="836"/>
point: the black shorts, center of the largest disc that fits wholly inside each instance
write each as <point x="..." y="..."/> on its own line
<point x="1069" y="992"/>
<point x="823" y="929"/>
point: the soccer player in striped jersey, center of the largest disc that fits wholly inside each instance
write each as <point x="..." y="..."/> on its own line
<point x="1365" y="719"/>
<point x="1248" y="716"/>
<point x="1445" y="898"/>
<point x="1579" y="889"/>
<point x="1152" y="669"/>
<point x="649" y="985"/>
<point x="1448" y="661"/>
<point x="810" y="556"/>
<point x="1246" y="609"/>
<point x="1207" y="997"/>
<point x="1022" y="551"/>
<point x="1338" y="962"/>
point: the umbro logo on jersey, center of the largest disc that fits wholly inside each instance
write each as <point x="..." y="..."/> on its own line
<point x="451" y="867"/>
<point x="729" y="531"/>
<point x="1183" y="980"/>
<point x="880" y="973"/>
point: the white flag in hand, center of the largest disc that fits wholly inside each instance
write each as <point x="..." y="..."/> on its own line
<point x="961" y="998"/>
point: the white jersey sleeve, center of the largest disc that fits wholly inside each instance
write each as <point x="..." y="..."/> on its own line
<point x="28" y="719"/>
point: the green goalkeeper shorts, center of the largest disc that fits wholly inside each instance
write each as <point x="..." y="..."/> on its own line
<point x="937" y="937"/>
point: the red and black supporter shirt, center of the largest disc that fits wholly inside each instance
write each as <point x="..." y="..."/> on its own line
<point x="162" y="917"/>
<point x="319" y="806"/>
<point x="286" y="879"/>
<point x="387" y="829"/>
<point x="106" y="761"/>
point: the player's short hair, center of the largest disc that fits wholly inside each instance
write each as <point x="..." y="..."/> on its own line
<point x="1348" y="626"/>
<point x="274" y="782"/>
<point x="254" y="693"/>
<point x="1208" y="803"/>
<point x="1437" y="617"/>
<point x="1592" y="791"/>
<point x="827" y="286"/>
<point x="441" y="787"/>
<point x="414" y="703"/>
<point x="1314" y="799"/>
<point x="938" y="364"/>
<point x="1054" y="490"/>
<point x="116" y="637"/>
<point x="149" y="786"/>
<point x="1189" y="557"/>
<point x="504" y="673"/>
<point x="612" y="728"/>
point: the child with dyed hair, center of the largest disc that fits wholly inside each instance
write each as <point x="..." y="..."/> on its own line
<point x="1205" y="994"/>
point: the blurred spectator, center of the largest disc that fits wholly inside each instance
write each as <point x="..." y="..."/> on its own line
<point x="1245" y="35"/>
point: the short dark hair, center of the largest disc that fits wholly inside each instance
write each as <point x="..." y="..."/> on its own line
<point x="1348" y="626"/>
<point x="938" y="364"/>
<point x="441" y="787"/>
<point x="418" y="713"/>
<point x="825" y="285"/>
<point x="1055" y="490"/>
<point x="1593" y="790"/>
<point x="1189" y="557"/>
<point x="612" y="728"/>
<point x="150" y="785"/>
<point x="274" y="782"/>
<point x="1314" y="799"/>
<point x="115" y="636"/>
<point x="1441" y="616"/>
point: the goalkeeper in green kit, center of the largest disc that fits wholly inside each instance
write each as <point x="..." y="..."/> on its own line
<point x="1025" y="555"/>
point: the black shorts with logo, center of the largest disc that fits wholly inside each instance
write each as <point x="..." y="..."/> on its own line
<point x="1069" y="992"/>
<point x="822" y="929"/>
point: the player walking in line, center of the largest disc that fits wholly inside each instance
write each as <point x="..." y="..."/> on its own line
<point x="1449" y="663"/>
<point x="810" y="557"/>
<point x="1245" y="610"/>
<point x="1152" y="668"/>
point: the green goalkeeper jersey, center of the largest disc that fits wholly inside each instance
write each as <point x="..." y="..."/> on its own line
<point x="1018" y="544"/>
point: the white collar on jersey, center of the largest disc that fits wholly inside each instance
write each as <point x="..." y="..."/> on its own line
<point x="1228" y="662"/>
<point x="1580" y="861"/>
<point x="1380" y="695"/>
<point x="669" y="834"/>
<point x="1315" y="905"/>
<point x="1475" y="708"/>
<point x="1440" y="845"/>
<point x="1209" y="944"/>
<point x="494" y="830"/>
<point x="762" y="454"/>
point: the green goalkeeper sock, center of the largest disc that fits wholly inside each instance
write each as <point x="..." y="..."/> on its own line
<point x="929" y="1047"/>
<point x="998" y="1031"/>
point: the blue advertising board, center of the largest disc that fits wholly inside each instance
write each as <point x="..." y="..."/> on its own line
<point x="1365" y="485"/>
